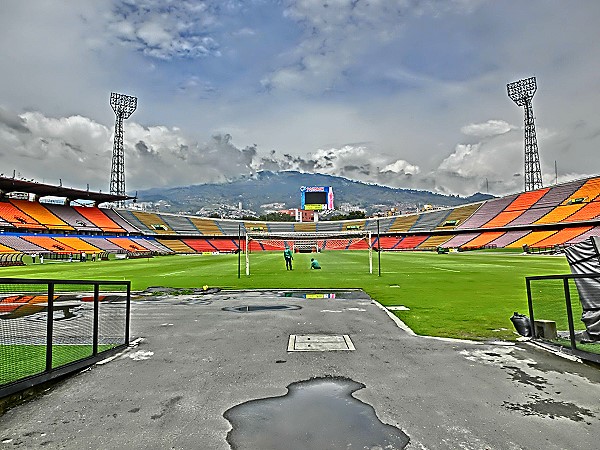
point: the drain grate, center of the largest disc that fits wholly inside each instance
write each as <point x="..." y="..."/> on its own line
<point x="319" y="343"/>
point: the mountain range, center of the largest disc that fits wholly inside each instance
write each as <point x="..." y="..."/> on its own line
<point x="264" y="191"/>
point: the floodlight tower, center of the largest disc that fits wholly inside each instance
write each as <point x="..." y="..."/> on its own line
<point x="123" y="106"/>
<point x="521" y="92"/>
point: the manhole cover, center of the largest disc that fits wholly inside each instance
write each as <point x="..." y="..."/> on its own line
<point x="319" y="342"/>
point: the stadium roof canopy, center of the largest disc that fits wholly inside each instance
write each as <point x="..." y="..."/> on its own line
<point x="8" y="185"/>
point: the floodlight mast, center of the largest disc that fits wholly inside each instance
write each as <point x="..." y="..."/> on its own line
<point x="521" y="92"/>
<point x="123" y="106"/>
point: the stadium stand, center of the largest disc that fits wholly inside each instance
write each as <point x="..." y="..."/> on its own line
<point x="558" y="194"/>
<point x="353" y="225"/>
<point x="588" y="192"/>
<point x="103" y="244"/>
<point x="593" y="232"/>
<point x="152" y="245"/>
<point x="230" y="227"/>
<point x="554" y="216"/>
<point x="509" y="237"/>
<point x="484" y="239"/>
<point x="458" y="215"/>
<point x="208" y="227"/>
<point x="460" y="240"/>
<point x="387" y="242"/>
<point x="371" y="225"/>
<point x="360" y="245"/>
<point x="531" y="239"/>
<point x="50" y="244"/>
<point x="129" y="244"/>
<point x="98" y="218"/>
<point x="176" y="245"/>
<point x="19" y="244"/>
<point x="411" y="242"/>
<point x="73" y="218"/>
<point x="430" y="220"/>
<point x="130" y="218"/>
<point x="335" y="225"/>
<point x="256" y="227"/>
<point x="562" y="236"/>
<point x="588" y="212"/>
<point x="403" y="223"/>
<point x="180" y="224"/>
<point x="41" y="214"/>
<point x="305" y="226"/>
<point x="199" y="245"/>
<point x="116" y="218"/>
<point x="226" y="245"/>
<point x="153" y="222"/>
<point x="560" y="213"/>
<point x="17" y="218"/>
<point x="281" y="227"/>
<point x="578" y="200"/>
<point x="5" y="249"/>
<point x="384" y="224"/>
<point x="487" y="212"/>
<point x="436" y="241"/>
<point x="523" y="202"/>
<point x="78" y="244"/>
<point x="530" y="216"/>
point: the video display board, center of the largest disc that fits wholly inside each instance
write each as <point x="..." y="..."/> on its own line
<point x="316" y="198"/>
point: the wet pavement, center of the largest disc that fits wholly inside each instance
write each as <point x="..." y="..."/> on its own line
<point x="204" y="358"/>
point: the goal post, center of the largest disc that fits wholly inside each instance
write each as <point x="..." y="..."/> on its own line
<point x="309" y="242"/>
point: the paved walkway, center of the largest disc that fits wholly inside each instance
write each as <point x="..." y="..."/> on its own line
<point x="200" y="356"/>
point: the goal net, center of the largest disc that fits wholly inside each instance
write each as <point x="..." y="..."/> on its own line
<point x="306" y="242"/>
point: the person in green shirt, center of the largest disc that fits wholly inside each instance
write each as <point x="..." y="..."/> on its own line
<point x="314" y="264"/>
<point x="288" y="256"/>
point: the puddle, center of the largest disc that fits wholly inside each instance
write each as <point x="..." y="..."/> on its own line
<point x="314" y="415"/>
<point x="254" y="308"/>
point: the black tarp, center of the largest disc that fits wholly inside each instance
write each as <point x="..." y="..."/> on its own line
<point x="584" y="258"/>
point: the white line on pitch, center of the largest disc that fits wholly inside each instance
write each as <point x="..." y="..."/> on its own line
<point x="447" y="270"/>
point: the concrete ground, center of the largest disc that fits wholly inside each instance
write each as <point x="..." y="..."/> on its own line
<point x="199" y="356"/>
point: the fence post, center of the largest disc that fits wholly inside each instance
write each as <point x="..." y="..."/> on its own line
<point x="49" y="327"/>
<point x="96" y="319"/>
<point x="569" y="313"/>
<point x="530" y="305"/>
<point x="128" y="313"/>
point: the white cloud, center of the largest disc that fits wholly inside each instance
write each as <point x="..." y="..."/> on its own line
<point x="164" y="30"/>
<point x="402" y="166"/>
<point x="490" y="128"/>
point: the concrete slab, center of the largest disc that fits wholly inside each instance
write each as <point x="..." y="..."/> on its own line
<point x="199" y="358"/>
<point x="320" y="343"/>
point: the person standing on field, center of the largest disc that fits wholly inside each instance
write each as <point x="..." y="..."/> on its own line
<point x="288" y="256"/>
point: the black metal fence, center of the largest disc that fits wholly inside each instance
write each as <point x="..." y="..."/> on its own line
<point x="50" y="328"/>
<point x="557" y="302"/>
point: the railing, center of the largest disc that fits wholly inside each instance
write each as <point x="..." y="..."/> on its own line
<point x="547" y="289"/>
<point x="51" y="328"/>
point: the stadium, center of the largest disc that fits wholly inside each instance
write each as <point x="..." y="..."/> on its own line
<point x="452" y="273"/>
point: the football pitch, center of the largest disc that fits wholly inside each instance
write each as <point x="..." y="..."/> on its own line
<point x="459" y="295"/>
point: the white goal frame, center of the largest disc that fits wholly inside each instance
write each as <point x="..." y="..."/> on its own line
<point x="306" y="240"/>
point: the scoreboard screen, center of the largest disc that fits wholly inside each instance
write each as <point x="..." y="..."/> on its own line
<point x="316" y="198"/>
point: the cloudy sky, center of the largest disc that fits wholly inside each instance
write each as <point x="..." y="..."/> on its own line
<point x="405" y="93"/>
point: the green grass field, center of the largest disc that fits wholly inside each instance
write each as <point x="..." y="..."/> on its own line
<point x="461" y="295"/>
<point x="26" y="360"/>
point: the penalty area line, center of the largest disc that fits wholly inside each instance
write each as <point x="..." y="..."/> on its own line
<point x="447" y="270"/>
